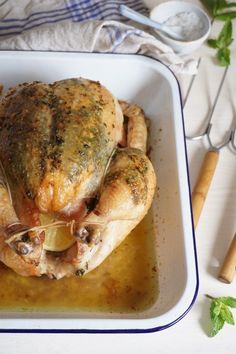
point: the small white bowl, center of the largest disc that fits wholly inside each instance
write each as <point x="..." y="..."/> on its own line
<point x="166" y="10"/>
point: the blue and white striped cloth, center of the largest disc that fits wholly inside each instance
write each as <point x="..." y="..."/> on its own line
<point x="12" y="23"/>
<point x="83" y="26"/>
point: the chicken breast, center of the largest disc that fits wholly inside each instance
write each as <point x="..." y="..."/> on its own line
<point x="56" y="139"/>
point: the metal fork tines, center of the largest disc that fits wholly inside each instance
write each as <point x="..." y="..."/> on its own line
<point x="208" y="125"/>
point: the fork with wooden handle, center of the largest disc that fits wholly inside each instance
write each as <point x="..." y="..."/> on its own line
<point x="199" y="195"/>
<point x="203" y="183"/>
<point x="210" y="161"/>
<point x="202" y="186"/>
<point x="228" y="269"/>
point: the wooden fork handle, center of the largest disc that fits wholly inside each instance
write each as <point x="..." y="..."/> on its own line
<point x="203" y="183"/>
<point x="228" y="268"/>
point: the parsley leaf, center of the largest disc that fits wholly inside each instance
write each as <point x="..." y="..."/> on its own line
<point x="222" y="42"/>
<point x="229" y="301"/>
<point x="226" y="314"/>
<point x="223" y="56"/>
<point x="220" y="312"/>
<point x="226" y="16"/>
<point x="225" y="37"/>
<point x="212" y="43"/>
<point x="217" y="9"/>
<point x="211" y="6"/>
<point x="215" y="309"/>
<point x="217" y="326"/>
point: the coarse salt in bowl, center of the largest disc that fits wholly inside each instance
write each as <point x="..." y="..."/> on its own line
<point x="187" y="19"/>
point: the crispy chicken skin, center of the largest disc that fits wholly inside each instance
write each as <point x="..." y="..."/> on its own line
<point x="56" y="140"/>
<point x="65" y="152"/>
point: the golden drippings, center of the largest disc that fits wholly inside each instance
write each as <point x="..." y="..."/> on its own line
<point x="125" y="282"/>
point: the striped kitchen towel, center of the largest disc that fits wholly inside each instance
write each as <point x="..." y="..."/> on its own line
<point x="18" y="16"/>
<point x="83" y="26"/>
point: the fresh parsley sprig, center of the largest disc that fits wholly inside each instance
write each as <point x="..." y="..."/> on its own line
<point x="220" y="312"/>
<point x="222" y="43"/>
<point x="226" y="16"/>
<point x="218" y="7"/>
<point x="218" y="10"/>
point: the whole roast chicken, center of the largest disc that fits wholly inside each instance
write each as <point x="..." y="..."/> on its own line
<point x="72" y="158"/>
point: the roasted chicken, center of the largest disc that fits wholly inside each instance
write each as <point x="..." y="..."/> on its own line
<point x="67" y="153"/>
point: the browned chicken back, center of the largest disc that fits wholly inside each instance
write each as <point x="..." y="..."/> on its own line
<point x="56" y="139"/>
